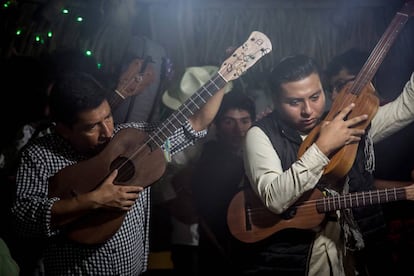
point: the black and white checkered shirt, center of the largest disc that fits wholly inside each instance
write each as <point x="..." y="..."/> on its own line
<point x="125" y="253"/>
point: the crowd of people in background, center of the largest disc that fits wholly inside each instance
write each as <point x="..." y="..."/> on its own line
<point x="63" y="116"/>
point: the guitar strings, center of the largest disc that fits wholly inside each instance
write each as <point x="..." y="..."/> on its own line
<point x="310" y="206"/>
<point x="169" y="125"/>
<point x="245" y="226"/>
<point x="377" y="55"/>
<point x="194" y="100"/>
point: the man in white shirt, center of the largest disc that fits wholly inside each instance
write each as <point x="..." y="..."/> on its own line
<point x="280" y="178"/>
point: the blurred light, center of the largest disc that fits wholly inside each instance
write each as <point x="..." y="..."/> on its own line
<point x="37" y="38"/>
<point x="99" y="65"/>
<point x="88" y="53"/>
<point x="79" y="19"/>
<point x="10" y="3"/>
<point x="65" y="11"/>
<point x="49" y="34"/>
<point x="18" y="32"/>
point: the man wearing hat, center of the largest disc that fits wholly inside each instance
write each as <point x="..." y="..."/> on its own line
<point x="192" y="80"/>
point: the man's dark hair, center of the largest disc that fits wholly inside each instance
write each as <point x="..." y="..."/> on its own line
<point x="291" y="68"/>
<point x="236" y="100"/>
<point x="72" y="93"/>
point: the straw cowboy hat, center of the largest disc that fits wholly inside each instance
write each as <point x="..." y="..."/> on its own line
<point x="192" y="79"/>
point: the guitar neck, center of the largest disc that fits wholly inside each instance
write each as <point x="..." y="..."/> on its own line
<point x="194" y="103"/>
<point x="254" y="48"/>
<point x="378" y="54"/>
<point x="362" y="199"/>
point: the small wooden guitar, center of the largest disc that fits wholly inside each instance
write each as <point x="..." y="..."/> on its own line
<point x="361" y="93"/>
<point x="250" y="221"/>
<point x="137" y="155"/>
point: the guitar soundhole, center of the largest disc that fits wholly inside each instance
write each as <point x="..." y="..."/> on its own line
<point x="126" y="169"/>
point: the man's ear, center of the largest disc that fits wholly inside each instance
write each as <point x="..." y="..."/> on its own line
<point x="63" y="130"/>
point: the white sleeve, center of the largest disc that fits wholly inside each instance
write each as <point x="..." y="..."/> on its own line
<point x="279" y="189"/>
<point x="395" y="115"/>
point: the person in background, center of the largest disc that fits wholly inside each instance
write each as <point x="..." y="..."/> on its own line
<point x="174" y="228"/>
<point x="172" y="193"/>
<point x="280" y="177"/>
<point x="84" y="127"/>
<point x="216" y="177"/>
<point x="341" y="70"/>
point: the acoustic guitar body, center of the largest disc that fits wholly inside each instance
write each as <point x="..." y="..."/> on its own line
<point x="341" y="161"/>
<point x="96" y="227"/>
<point x="250" y="221"/>
<point x="137" y="164"/>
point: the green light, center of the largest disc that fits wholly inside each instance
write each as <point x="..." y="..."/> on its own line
<point x="49" y="34"/>
<point x="99" y="65"/>
<point x="79" y="19"/>
<point x="88" y="52"/>
<point x="37" y="38"/>
<point x="65" y="11"/>
<point x="6" y="5"/>
<point x="19" y="32"/>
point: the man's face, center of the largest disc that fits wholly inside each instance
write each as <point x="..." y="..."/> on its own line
<point x="92" y="131"/>
<point x="302" y="103"/>
<point x="232" y="127"/>
<point x="338" y="81"/>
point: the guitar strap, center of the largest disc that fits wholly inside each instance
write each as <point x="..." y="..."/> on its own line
<point x="352" y="235"/>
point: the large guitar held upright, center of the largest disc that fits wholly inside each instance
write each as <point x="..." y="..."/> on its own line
<point x="362" y="93"/>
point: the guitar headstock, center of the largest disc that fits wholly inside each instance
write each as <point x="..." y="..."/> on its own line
<point x="408" y="8"/>
<point x="138" y="76"/>
<point x="244" y="57"/>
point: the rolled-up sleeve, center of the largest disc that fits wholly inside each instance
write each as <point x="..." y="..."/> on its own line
<point x="183" y="137"/>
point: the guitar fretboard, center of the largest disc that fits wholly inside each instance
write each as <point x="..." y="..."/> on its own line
<point x="378" y="54"/>
<point x="194" y="103"/>
<point x="360" y="199"/>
